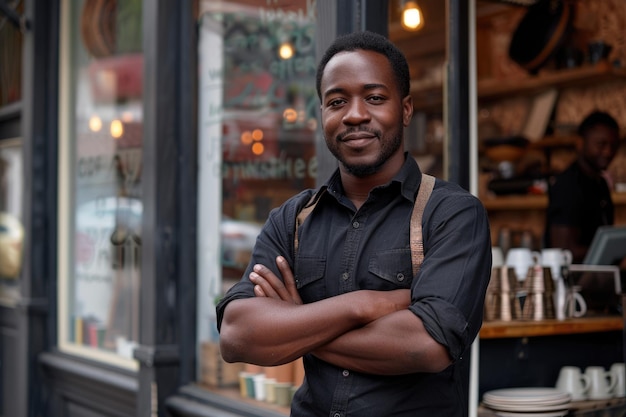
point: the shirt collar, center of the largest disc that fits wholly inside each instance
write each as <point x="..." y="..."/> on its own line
<point x="409" y="177"/>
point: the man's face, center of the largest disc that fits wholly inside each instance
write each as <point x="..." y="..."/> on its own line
<point x="363" y="115"/>
<point x="600" y="146"/>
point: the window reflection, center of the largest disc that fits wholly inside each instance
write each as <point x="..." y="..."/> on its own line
<point x="100" y="178"/>
<point x="258" y="121"/>
<point x="11" y="228"/>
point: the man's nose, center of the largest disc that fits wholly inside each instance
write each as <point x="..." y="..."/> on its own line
<point x="356" y="113"/>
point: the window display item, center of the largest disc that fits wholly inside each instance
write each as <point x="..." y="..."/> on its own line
<point x="11" y="239"/>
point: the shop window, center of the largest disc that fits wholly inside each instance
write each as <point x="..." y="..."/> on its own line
<point x="100" y="158"/>
<point x="257" y="127"/>
<point x="11" y="229"/>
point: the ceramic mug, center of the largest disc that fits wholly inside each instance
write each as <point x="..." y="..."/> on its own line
<point x="575" y="304"/>
<point x="573" y="381"/>
<point x="618" y="370"/>
<point x="556" y="258"/>
<point x="601" y="383"/>
<point x="521" y="259"/>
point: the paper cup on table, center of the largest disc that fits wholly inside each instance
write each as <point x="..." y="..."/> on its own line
<point x="270" y="390"/>
<point x="243" y="385"/>
<point x="250" y="385"/>
<point x="283" y="394"/>
<point x="259" y="387"/>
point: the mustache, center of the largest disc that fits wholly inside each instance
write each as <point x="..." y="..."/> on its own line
<point x="341" y="136"/>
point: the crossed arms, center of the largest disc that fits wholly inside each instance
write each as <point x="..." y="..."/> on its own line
<point x="365" y="331"/>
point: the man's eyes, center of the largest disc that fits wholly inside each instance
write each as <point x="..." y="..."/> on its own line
<point x="376" y="98"/>
<point x="340" y="101"/>
<point x="336" y="102"/>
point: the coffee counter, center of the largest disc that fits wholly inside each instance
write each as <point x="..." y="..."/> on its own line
<point x="508" y="329"/>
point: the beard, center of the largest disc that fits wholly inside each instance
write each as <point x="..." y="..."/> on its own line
<point x="389" y="148"/>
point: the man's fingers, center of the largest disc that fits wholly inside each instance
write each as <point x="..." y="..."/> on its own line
<point x="262" y="288"/>
<point x="270" y="282"/>
<point x="258" y="291"/>
<point x="290" y="281"/>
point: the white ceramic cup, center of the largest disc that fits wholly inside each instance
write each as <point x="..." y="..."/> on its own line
<point x="575" y="304"/>
<point x="619" y="374"/>
<point x="573" y="381"/>
<point x="497" y="257"/>
<point x="601" y="383"/>
<point x="521" y="259"/>
<point x="556" y="258"/>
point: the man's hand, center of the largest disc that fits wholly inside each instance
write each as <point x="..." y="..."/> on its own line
<point x="267" y="284"/>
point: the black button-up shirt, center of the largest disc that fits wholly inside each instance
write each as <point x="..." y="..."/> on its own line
<point x="342" y="249"/>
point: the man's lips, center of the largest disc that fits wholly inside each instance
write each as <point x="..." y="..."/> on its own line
<point x="357" y="136"/>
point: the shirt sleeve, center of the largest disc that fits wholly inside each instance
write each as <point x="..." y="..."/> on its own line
<point x="449" y="291"/>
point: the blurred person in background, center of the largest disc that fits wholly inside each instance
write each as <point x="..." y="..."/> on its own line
<point x="580" y="197"/>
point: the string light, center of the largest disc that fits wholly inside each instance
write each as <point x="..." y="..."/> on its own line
<point x="412" y="16"/>
<point x="116" y="129"/>
<point x="286" y="50"/>
<point x="95" y="123"/>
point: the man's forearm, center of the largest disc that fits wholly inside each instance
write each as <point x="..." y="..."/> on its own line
<point x="268" y="331"/>
<point x="392" y="345"/>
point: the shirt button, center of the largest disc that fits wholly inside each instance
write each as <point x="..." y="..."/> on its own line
<point x="400" y="277"/>
<point x="337" y="415"/>
<point x="345" y="276"/>
<point x="345" y="372"/>
<point x="355" y="225"/>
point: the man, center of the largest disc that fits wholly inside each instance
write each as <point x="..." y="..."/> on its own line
<point x="579" y="197"/>
<point x="376" y="340"/>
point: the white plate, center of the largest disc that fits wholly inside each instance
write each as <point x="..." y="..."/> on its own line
<point x="552" y="414"/>
<point x="536" y="402"/>
<point x="511" y="396"/>
<point x="526" y="408"/>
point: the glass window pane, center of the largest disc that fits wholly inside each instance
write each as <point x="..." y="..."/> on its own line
<point x="258" y="121"/>
<point x="100" y="178"/>
<point x="11" y="228"/>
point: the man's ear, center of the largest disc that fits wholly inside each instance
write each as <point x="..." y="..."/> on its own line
<point x="407" y="110"/>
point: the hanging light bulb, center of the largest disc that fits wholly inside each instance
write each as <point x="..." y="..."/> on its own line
<point x="412" y="16"/>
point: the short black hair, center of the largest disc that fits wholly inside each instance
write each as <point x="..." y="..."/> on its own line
<point x="597" y="118"/>
<point x="368" y="41"/>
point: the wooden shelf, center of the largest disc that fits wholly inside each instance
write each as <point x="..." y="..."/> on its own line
<point x="428" y="95"/>
<point x="497" y="88"/>
<point x="532" y="202"/>
<point x="516" y="202"/>
<point x="508" y="329"/>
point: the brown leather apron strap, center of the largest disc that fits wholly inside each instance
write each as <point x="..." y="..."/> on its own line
<point x="417" y="239"/>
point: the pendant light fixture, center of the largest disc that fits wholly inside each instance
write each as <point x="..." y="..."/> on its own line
<point x="412" y="16"/>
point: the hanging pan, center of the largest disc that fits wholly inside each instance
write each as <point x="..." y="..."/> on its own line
<point x="540" y="33"/>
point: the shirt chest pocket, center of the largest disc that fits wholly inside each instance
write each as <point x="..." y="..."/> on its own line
<point x="309" y="274"/>
<point x="393" y="267"/>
